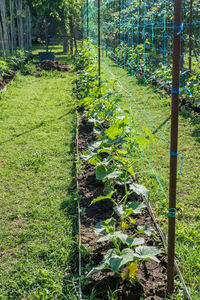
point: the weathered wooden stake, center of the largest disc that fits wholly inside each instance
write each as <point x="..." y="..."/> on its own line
<point x="174" y="144"/>
<point x="87" y="20"/>
<point x="99" y="42"/>
<point x="190" y="36"/>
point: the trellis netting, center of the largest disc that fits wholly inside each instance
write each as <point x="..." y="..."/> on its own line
<point x="136" y="50"/>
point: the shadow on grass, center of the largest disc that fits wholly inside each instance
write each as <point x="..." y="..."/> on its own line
<point x="69" y="207"/>
<point x="42" y="123"/>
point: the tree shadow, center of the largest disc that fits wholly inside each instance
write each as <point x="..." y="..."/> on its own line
<point x="70" y="209"/>
<point x="42" y="123"/>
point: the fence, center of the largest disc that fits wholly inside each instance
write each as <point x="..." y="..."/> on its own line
<point x="15" y="27"/>
<point x="135" y="41"/>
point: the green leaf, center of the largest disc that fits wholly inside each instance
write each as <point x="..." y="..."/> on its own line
<point x="135" y="241"/>
<point x="114" y="175"/>
<point x="100" y="172"/>
<point x="100" y="228"/>
<point x="139" y="190"/>
<point x="137" y="207"/>
<point x="109" y="196"/>
<point x="130" y="170"/>
<point x="147" y="253"/>
<point x="130" y="208"/>
<point x="116" y="235"/>
<point x="105" y="262"/>
<point x="145" y="229"/>
<point x="105" y="150"/>
<point x="116" y="262"/>
<point x="95" y="160"/>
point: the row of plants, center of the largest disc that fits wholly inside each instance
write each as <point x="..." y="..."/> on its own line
<point x="12" y="63"/>
<point x="113" y="154"/>
<point x="142" y="61"/>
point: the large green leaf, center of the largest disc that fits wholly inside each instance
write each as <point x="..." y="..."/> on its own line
<point x="95" y="146"/>
<point x="137" y="207"/>
<point x="145" y="229"/>
<point x="114" y="175"/>
<point x="105" y="262"/>
<point x="116" y="235"/>
<point x="105" y="150"/>
<point x="109" y="196"/>
<point x="139" y="190"/>
<point x="100" y="172"/>
<point x="116" y="262"/>
<point x="131" y="207"/>
<point x="95" y="160"/>
<point x="131" y="242"/>
<point x="100" y="228"/>
<point x="147" y="253"/>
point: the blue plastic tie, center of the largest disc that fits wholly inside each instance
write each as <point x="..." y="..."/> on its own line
<point x="178" y="154"/>
<point x="179" y="27"/>
<point x="186" y="89"/>
<point x="176" y="91"/>
<point x="172" y="212"/>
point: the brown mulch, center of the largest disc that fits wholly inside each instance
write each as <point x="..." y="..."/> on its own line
<point x="49" y="65"/>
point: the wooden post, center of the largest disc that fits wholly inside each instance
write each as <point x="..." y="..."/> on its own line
<point x="71" y="35"/>
<point x="12" y="26"/>
<point x="174" y="144"/>
<point x="20" y="23"/>
<point x="140" y="13"/>
<point x="99" y="42"/>
<point x="5" y="26"/>
<point x="119" y="21"/>
<point x="190" y="36"/>
<point x="2" y="42"/>
<point x="87" y="20"/>
<point x="29" y="27"/>
<point x="46" y="35"/>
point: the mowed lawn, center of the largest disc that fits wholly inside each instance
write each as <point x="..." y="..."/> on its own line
<point x="37" y="187"/>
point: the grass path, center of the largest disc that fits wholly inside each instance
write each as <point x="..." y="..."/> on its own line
<point x="37" y="182"/>
<point x="156" y="106"/>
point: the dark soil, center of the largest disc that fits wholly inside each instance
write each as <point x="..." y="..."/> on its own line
<point x="152" y="276"/>
<point x="6" y="79"/>
<point x="49" y="65"/>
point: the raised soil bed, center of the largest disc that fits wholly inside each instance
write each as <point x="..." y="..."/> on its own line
<point x="152" y="276"/>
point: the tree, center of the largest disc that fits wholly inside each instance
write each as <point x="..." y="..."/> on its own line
<point x="67" y="13"/>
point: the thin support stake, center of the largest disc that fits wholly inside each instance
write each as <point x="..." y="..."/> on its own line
<point x="99" y="42"/>
<point x="190" y="36"/>
<point x="87" y="20"/>
<point x="119" y="22"/>
<point x="174" y="144"/>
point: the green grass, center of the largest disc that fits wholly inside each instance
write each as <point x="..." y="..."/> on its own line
<point x="156" y="105"/>
<point x="37" y="185"/>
